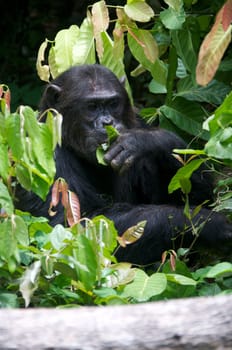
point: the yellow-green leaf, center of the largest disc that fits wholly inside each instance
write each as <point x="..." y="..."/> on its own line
<point x="139" y="11"/>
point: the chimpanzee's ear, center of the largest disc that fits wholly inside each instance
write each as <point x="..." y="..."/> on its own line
<point x="52" y="94"/>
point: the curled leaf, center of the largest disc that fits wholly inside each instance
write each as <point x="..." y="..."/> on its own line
<point x="73" y="212"/>
<point x="132" y="234"/>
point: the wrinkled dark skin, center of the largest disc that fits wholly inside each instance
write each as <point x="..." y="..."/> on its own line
<point x="133" y="187"/>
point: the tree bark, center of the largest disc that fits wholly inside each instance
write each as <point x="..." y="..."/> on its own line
<point x="194" y="323"/>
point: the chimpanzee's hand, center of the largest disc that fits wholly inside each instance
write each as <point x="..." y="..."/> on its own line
<point x="128" y="147"/>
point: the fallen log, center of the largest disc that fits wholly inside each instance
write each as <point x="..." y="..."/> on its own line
<point x="194" y="323"/>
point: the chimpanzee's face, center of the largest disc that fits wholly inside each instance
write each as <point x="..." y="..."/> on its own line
<point x="89" y="98"/>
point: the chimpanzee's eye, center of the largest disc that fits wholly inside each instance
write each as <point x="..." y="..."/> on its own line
<point x="113" y="103"/>
<point x="92" y="106"/>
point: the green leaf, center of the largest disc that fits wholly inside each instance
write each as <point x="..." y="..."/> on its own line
<point x="8" y="300"/>
<point x="15" y="135"/>
<point x="213" y="93"/>
<point x="8" y="241"/>
<point x="86" y="261"/>
<point x="4" y="161"/>
<point x="6" y="202"/>
<point x="106" y="232"/>
<point x="172" y="19"/>
<point x="188" y="117"/>
<point x="121" y="274"/>
<point x="220" y="145"/>
<point x="222" y="269"/>
<point x="183" y="42"/>
<point x="184" y="174"/>
<point x="20" y="230"/>
<point x="142" y="45"/>
<point x="144" y="287"/>
<point x="222" y="117"/>
<point x="138" y="10"/>
<point x="115" y="65"/>
<point x="180" y="279"/>
<point x="63" y="48"/>
<point x="58" y="237"/>
<point x="174" y="4"/>
<point x="157" y="88"/>
<point x="84" y="47"/>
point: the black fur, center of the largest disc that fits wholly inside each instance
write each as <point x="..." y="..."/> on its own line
<point x="133" y="187"/>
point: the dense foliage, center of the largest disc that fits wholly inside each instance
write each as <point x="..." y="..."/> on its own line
<point x="183" y="57"/>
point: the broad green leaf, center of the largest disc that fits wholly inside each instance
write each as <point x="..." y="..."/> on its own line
<point x="213" y="93"/>
<point x="58" y="237"/>
<point x="8" y="300"/>
<point x="6" y="202"/>
<point x="180" y="279"/>
<point x="108" y="60"/>
<point x="106" y="233"/>
<point x="144" y="287"/>
<point x="222" y="117"/>
<point x="184" y="173"/>
<point x="222" y="269"/>
<point x="13" y="231"/>
<point x="86" y="261"/>
<point x="15" y="135"/>
<point x="63" y="48"/>
<point x="173" y="19"/>
<point x="8" y="240"/>
<point x="157" y="88"/>
<point x="218" y="147"/>
<point x="211" y="51"/>
<point x="139" y="10"/>
<point x="84" y="47"/>
<point x="188" y="117"/>
<point x="174" y="4"/>
<point x="24" y="176"/>
<point x="183" y="42"/>
<point x="54" y="122"/>
<point x="142" y="42"/>
<point x="121" y="274"/>
<point x="20" y="230"/>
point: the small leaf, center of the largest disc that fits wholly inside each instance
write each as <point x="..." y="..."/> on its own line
<point x="139" y="10"/>
<point x="173" y="19"/>
<point x="73" y="212"/>
<point x="29" y="281"/>
<point x="132" y="234"/>
<point x="42" y="69"/>
<point x="184" y="174"/>
<point x="100" y="20"/>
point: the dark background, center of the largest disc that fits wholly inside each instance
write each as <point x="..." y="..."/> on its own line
<point x="24" y="26"/>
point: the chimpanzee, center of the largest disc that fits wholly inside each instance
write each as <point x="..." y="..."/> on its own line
<point x="133" y="187"/>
